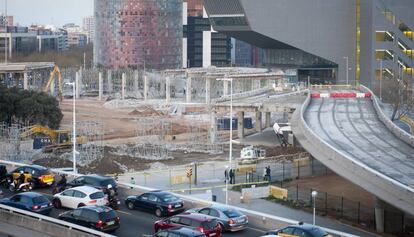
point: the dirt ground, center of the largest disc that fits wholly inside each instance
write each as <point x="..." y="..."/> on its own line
<point x="120" y="125"/>
<point x="335" y="184"/>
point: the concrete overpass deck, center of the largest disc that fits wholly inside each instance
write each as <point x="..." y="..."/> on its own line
<point x="352" y="126"/>
<point x="354" y="138"/>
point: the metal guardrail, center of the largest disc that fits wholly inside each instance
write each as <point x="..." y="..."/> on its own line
<point x="55" y="221"/>
<point x="184" y="197"/>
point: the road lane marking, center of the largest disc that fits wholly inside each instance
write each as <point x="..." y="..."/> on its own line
<point x="258" y="230"/>
<point x="124" y="212"/>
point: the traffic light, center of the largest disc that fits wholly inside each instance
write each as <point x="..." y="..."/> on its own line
<point x="190" y="172"/>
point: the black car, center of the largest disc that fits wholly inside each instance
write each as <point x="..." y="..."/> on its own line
<point x="179" y="232"/>
<point x="301" y="229"/>
<point x="159" y="202"/>
<point x="94" y="180"/>
<point x="96" y="217"/>
<point x="29" y="201"/>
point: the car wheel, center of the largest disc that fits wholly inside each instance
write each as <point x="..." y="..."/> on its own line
<point x="56" y="203"/>
<point x="81" y="205"/>
<point x="158" y="212"/>
<point x="130" y="205"/>
<point x="222" y="228"/>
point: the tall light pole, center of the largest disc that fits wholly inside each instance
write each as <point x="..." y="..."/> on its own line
<point x="231" y="130"/>
<point x="5" y="32"/>
<point x="73" y="84"/>
<point x="347" y="70"/>
<point x="314" y="194"/>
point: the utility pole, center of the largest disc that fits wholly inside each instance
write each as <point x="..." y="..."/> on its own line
<point x="84" y="60"/>
<point x="5" y="33"/>
<point x="380" y="85"/>
<point x="347" y="70"/>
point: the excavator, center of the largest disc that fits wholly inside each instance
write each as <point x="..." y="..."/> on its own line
<point x="55" y="72"/>
<point x="60" y="139"/>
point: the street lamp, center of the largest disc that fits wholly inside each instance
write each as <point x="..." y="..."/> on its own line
<point x="347" y="70"/>
<point x="314" y="194"/>
<point x="73" y="84"/>
<point x="231" y="129"/>
<point x="227" y="171"/>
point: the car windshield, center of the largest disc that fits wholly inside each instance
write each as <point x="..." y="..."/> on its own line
<point x="318" y="232"/>
<point x="97" y="195"/>
<point x="232" y="213"/>
<point x="208" y="225"/>
<point x="44" y="171"/>
<point x="108" y="215"/>
<point x="105" y="182"/>
<point x="40" y="199"/>
<point x="169" y="198"/>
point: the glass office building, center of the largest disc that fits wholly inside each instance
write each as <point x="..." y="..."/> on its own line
<point x="134" y="33"/>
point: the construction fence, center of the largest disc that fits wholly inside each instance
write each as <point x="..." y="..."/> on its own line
<point x="339" y="207"/>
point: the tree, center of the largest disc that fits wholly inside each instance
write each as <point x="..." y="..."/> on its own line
<point x="29" y="107"/>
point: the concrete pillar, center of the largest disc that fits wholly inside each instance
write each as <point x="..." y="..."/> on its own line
<point x="145" y="87"/>
<point x="109" y="77"/>
<point x="213" y="127"/>
<point x="208" y="90"/>
<point x="77" y="91"/>
<point x="225" y="88"/>
<point x="123" y="86"/>
<point x="258" y="124"/>
<point x="256" y="84"/>
<point x="52" y="87"/>
<point x="25" y="81"/>
<point x="188" y="90"/>
<point x="240" y="124"/>
<point x="100" y="85"/>
<point x="268" y="118"/>
<point x="136" y="77"/>
<point x="167" y="90"/>
<point x="379" y="215"/>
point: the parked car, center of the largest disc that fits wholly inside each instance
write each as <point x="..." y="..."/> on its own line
<point x="300" y="230"/>
<point x="94" y="180"/>
<point x="40" y="176"/>
<point x="80" y="196"/>
<point x="179" y="232"/>
<point x="96" y="217"/>
<point x="159" y="202"/>
<point x="203" y="223"/>
<point x="29" y="201"/>
<point x="229" y="219"/>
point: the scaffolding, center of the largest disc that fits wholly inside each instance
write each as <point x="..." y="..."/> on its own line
<point x="11" y="146"/>
<point x="93" y="150"/>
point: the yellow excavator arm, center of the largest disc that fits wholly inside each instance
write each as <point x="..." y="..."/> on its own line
<point x="58" y="137"/>
<point x="53" y="74"/>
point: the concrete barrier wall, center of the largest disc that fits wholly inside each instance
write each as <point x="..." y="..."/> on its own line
<point x="397" y="131"/>
<point x="255" y="193"/>
<point x="389" y="190"/>
<point x="28" y="224"/>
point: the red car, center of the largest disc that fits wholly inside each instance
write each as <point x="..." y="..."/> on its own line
<point x="203" y="223"/>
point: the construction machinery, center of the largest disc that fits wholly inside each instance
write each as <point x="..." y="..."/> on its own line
<point x="55" y="72"/>
<point x="59" y="139"/>
<point x="250" y="154"/>
<point x="283" y="132"/>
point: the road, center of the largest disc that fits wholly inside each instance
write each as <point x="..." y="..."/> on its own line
<point x="353" y="127"/>
<point x="137" y="223"/>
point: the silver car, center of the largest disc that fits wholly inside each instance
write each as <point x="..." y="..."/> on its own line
<point x="229" y="219"/>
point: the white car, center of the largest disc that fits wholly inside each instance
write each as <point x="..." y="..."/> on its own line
<point x="80" y="196"/>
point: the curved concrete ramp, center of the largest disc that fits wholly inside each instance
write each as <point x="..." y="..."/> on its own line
<point x="347" y="136"/>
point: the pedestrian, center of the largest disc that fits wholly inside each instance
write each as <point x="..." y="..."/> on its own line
<point x="268" y="174"/>
<point x="264" y="173"/>
<point x="226" y="175"/>
<point x="232" y="180"/>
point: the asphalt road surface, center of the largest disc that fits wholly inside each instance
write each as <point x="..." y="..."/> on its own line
<point x="134" y="222"/>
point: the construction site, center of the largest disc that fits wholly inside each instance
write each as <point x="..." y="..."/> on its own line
<point x="127" y="120"/>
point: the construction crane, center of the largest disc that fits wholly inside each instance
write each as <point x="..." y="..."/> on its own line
<point x="60" y="139"/>
<point x="53" y="74"/>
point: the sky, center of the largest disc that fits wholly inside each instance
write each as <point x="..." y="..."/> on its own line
<point x="56" y="12"/>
